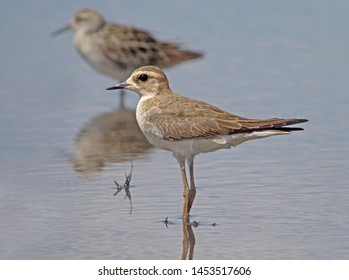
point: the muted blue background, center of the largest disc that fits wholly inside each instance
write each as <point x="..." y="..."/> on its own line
<point x="278" y="198"/>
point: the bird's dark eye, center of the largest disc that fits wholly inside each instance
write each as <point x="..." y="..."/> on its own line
<point x="79" y="19"/>
<point x="143" y="77"/>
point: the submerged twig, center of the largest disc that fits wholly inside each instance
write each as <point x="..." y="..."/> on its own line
<point x="167" y="222"/>
<point x="125" y="186"/>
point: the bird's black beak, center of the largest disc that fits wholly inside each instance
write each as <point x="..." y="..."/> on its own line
<point x="61" y="30"/>
<point x="119" y="86"/>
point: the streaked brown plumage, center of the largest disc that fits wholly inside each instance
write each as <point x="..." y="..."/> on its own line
<point x="116" y="50"/>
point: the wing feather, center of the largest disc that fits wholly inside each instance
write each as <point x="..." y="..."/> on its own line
<point x="200" y="119"/>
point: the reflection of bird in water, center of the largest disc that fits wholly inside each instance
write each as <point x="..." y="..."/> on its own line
<point x="188" y="243"/>
<point x="116" y="50"/>
<point x="109" y="138"/>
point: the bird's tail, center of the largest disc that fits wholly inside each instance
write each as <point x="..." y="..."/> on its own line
<point x="175" y="54"/>
<point x="270" y="124"/>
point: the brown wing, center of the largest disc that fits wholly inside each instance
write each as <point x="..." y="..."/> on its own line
<point x="141" y="48"/>
<point x="198" y="119"/>
<point x="130" y="47"/>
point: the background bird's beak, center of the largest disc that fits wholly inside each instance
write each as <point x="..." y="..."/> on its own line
<point x="119" y="86"/>
<point x="61" y="30"/>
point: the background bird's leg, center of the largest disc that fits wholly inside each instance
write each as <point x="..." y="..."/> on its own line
<point x="192" y="191"/>
<point x="185" y="191"/>
<point x="122" y="99"/>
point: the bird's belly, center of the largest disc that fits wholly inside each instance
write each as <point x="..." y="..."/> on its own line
<point x="191" y="147"/>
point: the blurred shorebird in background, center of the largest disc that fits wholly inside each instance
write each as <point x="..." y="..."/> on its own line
<point x="116" y="50"/>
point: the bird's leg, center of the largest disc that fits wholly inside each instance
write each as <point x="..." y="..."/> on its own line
<point x="122" y="99"/>
<point x="186" y="190"/>
<point x="192" y="191"/>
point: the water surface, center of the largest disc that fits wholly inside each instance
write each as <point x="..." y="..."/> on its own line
<point x="278" y="198"/>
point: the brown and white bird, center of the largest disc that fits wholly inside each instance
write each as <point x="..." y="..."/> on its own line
<point x="188" y="127"/>
<point x="116" y="50"/>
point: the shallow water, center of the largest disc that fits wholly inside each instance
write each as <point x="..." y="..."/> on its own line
<point x="278" y="198"/>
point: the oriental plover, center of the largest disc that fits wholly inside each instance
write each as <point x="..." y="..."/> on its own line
<point x="187" y="127"/>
